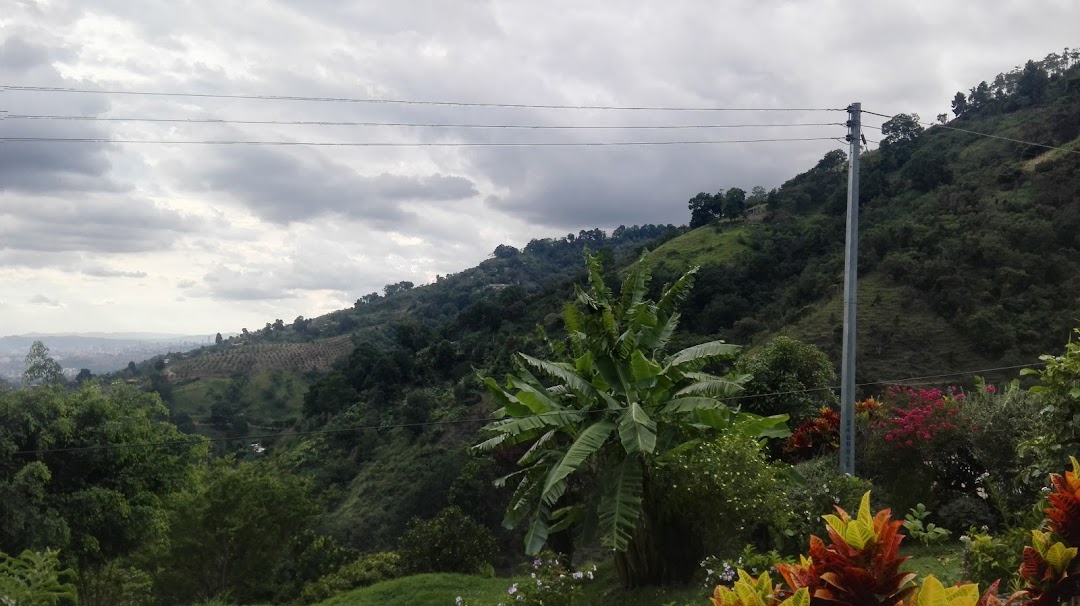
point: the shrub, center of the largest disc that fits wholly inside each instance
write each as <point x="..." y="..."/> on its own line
<point x="115" y="585"/>
<point x="449" y="542"/>
<point x="820" y="435"/>
<point x="988" y="559"/>
<point x="860" y="566"/>
<point x="918" y="527"/>
<point x="723" y="572"/>
<point x="726" y="489"/>
<point x="550" y="583"/>
<point x="820" y="488"/>
<point x="365" y="570"/>
<point x="34" y="579"/>
<point x="965" y="511"/>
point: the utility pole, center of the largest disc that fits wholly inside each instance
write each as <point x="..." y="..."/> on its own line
<point x="851" y="269"/>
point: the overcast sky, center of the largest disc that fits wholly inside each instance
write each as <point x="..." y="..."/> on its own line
<point x="199" y="239"/>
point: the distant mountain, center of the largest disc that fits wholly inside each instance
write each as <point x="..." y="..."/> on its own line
<point x="97" y="351"/>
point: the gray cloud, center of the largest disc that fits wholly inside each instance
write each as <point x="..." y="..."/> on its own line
<point x="91" y="224"/>
<point x="42" y="166"/>
<point x="106" y="272"/>
<point x="283" y="187"/>
<point x="46" y="301"/>
<point x="64" y="203"/>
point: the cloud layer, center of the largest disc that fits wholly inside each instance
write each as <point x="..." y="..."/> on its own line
<point x="188" y="238"/>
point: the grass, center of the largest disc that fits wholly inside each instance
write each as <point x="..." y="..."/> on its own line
<point x="269" y="396"/>
<point x="426" y="590"/>
<point x="442" y="589"/>
<point x="945" y="561"/>
<point x="708" y="244"/>
<point x="899" y="334"/>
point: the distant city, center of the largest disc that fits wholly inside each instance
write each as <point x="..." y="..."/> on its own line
<point x="98" y="352"/>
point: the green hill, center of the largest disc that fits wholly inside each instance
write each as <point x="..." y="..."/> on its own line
<point x="968" y="260"/>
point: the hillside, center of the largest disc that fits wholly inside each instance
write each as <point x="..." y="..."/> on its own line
<point x="968" y="260"/>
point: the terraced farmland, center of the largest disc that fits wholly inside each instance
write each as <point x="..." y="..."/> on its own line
<point x="249" y="359"/>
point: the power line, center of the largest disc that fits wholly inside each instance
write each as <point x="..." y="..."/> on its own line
<point x="404" y="124"/>
<point x="52" y="89"/>
<point x="396" y="144"/>
<point x="201" y="440"/>
<point x="973" y="132"/>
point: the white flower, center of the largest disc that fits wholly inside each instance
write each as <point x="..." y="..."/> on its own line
<point x="578" y="575"/>
<point x="459" y="601"/>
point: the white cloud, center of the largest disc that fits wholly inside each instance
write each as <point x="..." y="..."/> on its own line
<point x="184" y="238"/>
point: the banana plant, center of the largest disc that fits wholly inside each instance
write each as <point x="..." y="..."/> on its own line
<point x="611" y="401"/>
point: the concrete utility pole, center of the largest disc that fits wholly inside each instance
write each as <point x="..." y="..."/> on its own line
<point x="851" y="269"/>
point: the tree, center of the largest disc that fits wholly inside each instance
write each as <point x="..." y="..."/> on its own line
<point x="959" y="104"/>
<point x="900" y="137"/>
<point x="83" y="376"/>
<point x="1033" y="82"/>
<point x="218" y="339"/>
<point x="734" y="203"/>
<point x="943" y="118"/>
<point x="979" y="96"/>
<point x="300" y="325"/>
<point x="617" y="401"/>
<point x="400" y="287"/>
<point x="702" y="208"/>
<point x="758" y="195"/>
<point x="232" y="530"/>
<point x="102" y="503"/>
<point x="279" y="325"/>
<point x="788" y="377"/>
<point x="42" y="369"/>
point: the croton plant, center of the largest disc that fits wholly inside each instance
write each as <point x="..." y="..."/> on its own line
<point x="860" y="564"/>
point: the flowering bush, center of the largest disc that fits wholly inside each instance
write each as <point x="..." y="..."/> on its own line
<point x="549" y="584"/>
<point x="821" y="434"/>
<point x="922" y="415"/>
<point x="723" y="571"/>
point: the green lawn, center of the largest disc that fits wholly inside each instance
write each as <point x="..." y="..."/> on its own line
<point x="945" y="561"/>
<point x="443" y="589"/>
<point x="426" y="590"/>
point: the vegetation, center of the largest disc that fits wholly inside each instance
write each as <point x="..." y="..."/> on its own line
<point x="640" y="426"/>
<point x="619" y="403"/>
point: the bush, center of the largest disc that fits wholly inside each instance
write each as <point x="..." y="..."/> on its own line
<point x="115" y="585"/>
<point x="366" y="570"/>
<point x="726" y="489"/>
<point x="965" y="511"/>
<point x="34" y="579"/>
<point x="821" y="487"/>
<point x="550" y="583"/>
<point x="988" y="558"/>
<point x="449" y="542"/>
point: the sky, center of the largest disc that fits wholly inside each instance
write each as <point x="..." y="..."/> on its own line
<point x="196" y="239"/>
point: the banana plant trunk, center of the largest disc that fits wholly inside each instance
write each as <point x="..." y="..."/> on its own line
<point x="664" y="550"/>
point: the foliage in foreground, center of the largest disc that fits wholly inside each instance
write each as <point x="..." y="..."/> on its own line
<point x="618" y="402"/>
<point x="34" y="579"/>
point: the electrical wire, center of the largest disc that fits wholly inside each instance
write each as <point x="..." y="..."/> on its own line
<point x="405" y="124"/>
<point x="52" y="89"/>
<point x="973" y="132"/>
<point x="202" y="440"/>
<point x="395" y="144"/>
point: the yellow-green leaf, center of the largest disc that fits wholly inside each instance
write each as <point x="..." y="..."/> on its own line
<point x="864" y="511"/>
<point x="932" y="593"/>
<point x="1059" y="556"/>
<point x="962" y="595"/>
<point x="1040" y="541"/>
<point x="859" y="534"/>
<point x="836" y="524"/>
<point x="747" y="595"/>
<point x="799" y="598"/>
